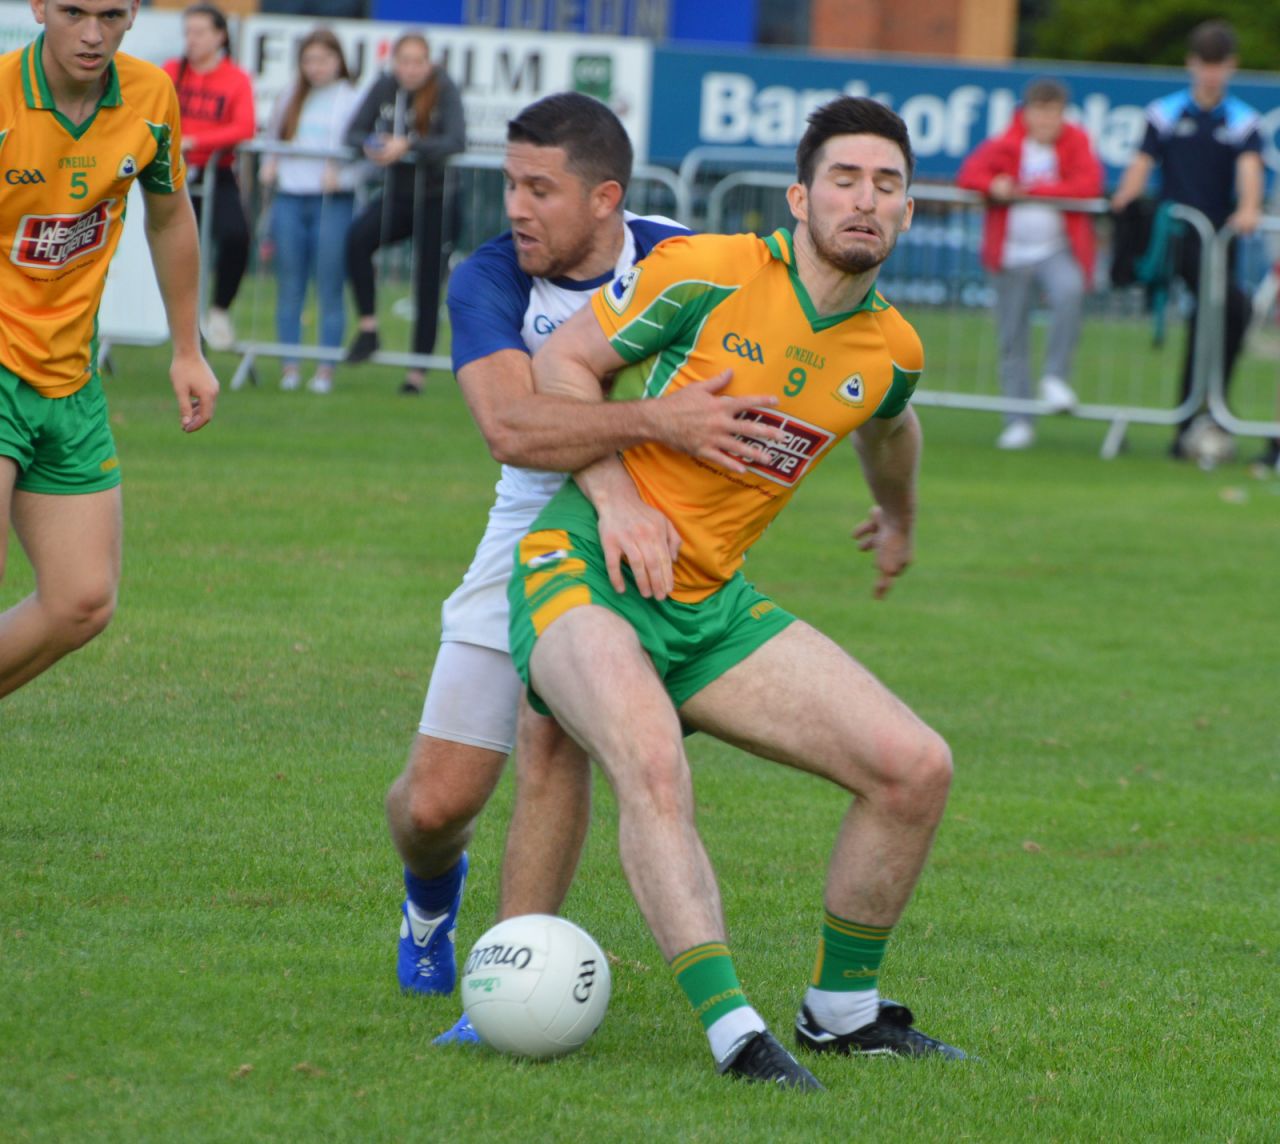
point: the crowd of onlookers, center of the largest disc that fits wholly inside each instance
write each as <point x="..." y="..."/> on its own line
<point x="405" y="126"/>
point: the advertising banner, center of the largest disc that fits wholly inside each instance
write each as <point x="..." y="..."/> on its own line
<point x="761" y="100"/>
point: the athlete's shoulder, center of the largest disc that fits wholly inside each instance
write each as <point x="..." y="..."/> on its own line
<point x="713" y="257"/>
<point x="492" y="263"/>
<point x="649" y="230"/>
<point x="903" y="343"/>
<point x="143" y="85"/>
<point x="1164" y="113"/>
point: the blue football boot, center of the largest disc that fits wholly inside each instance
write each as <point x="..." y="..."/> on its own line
<point x="425" y="961"/>
<point x="462" y="1033"/>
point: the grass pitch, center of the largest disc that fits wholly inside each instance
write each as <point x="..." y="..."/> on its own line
<point x="198" y="900"/>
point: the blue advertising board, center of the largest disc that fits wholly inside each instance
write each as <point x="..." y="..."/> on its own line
<point x="659" y="20"/>
<point x="761" y="99"/>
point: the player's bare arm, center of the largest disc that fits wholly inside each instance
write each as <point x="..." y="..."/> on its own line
<point x="1134" y="181"/>
<point x="175" y="252"/>
<point x="567" y="375"/>
<point x="1249" y="184"/>
<point x="889" y="451"/>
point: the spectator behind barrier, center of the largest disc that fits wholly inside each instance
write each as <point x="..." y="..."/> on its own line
<point x="1209" y="150"/>
<point x="1030" y="247"/>
<point x="413" y="111"/>
<point x="216" y="101"/>
<point x="314" y="200"/>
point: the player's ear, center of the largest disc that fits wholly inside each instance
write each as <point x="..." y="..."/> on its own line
<point x="908" y="213"/>
<point x="606" y="197"/>
<point x="798" y="201"/>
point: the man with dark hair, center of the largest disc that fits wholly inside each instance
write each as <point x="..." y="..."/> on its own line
<point x="569" y="236"/>
<point x="627" y="673"/>
<point x="1209" y="150"/>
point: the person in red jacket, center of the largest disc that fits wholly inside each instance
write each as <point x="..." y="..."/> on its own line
<point x="1030" y="246"/>
<point x="216" y="100"/>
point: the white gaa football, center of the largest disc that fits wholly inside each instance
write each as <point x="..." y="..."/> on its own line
<point x="536" y="986"/>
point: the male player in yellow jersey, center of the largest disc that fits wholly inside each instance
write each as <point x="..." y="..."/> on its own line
<point x="796" y="315"/>
<point x="77" y="126"/>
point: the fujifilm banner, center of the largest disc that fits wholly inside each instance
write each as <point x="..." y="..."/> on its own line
<point x="498" y="72"/>
<point x="725" y="99"/>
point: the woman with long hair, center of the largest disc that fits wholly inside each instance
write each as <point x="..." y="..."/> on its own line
<point x="314" y="199"/>
<point x="412" y="112"/>
<point x="215" y="98"/>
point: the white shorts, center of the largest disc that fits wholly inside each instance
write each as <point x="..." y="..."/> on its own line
<point x="474" y="689"/>
<point x="472" y="697"/>
<point x="477" y="611"/>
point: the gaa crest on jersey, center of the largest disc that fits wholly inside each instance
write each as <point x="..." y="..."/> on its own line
<point x="48" y="242"/>
<point x="128" y="168"/>
<point x="619" y="292"/>
<point x="852" y="391"/>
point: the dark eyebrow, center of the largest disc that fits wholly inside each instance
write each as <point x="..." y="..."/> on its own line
<point x="879" y="172"/>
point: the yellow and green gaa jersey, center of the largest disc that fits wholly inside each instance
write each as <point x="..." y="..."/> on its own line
<point x="703" y="303"/>
<point x="62" y="198"/>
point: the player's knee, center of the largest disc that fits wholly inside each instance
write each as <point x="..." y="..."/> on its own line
<point x="915" y="783"/>
<point x="656" y="781"/>
<point x="436" y="810"/>
<point x="79" y="616"/>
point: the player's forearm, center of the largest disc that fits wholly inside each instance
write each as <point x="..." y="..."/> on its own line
<point x="890" y="464"/>
<point x="565" y="434"/>
<point x="175" y="254"/>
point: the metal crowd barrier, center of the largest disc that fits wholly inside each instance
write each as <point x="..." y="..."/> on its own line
<point x="473" y="207"/>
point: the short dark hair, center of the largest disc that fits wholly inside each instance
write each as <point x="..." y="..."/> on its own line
<point x="1046" y="89"/>
<point x="595" y="143"/>
<point x="1213" y="41"/>
<point x="850" y="115"/>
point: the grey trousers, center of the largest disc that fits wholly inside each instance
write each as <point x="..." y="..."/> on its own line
<point x="1061" y="280"/>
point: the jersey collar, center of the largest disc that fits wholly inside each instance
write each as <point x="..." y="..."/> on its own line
<point x="782" y="246"/>
<point x="39" y="96"/>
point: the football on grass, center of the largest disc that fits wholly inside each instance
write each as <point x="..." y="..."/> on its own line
<point x="536" y="986"/>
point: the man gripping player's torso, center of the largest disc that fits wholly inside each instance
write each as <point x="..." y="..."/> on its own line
<point x="705" y="303"/>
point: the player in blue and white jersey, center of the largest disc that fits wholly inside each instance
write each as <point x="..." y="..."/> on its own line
<point x="1208" y="147"/>
<point x="568" y="161"/>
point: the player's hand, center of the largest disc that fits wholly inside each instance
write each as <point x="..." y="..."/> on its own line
<point x="1002" y="188"/>
<point x="1244" y="220"/>
<point x="196" y="389"/>
<point x="634" y="531"/>
<point x="699" y="421"/>
<point x="891" y="544"/>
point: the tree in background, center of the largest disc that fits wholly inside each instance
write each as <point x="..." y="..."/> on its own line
<point x="1153" y="32"/>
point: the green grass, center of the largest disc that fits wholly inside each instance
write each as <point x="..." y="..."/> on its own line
<point x="198" y="900"/>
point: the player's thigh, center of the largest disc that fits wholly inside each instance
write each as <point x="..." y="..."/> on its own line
<point x="73" y="542"/>
<point x="8" y="475"/>
<point x="591" y="670"/>
<point x="800" y="699"/>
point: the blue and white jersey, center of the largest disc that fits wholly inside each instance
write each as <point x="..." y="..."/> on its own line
<point x="494" y="305"/>
<point x="1197" y="150"/>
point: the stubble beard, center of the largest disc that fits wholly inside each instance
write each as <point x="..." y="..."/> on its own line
<point x="856" y="260"/>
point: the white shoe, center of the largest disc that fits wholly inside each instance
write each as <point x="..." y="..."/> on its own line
<point x="320" y="383"/>
<point x="218" y="330"/>
<point x="1016" y="435"/>
<point x="1058" y="395"/>
<point x="290" y="379"/>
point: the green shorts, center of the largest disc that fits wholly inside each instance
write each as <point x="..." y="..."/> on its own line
<point x="61" y="444"/>
<point x="560" y="565"/>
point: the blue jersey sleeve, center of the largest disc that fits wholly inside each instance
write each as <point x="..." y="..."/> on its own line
<point x="488" y="296"/>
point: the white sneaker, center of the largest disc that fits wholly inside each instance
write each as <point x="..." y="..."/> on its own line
<point x="320" y="383"/>
<point x="1016" y="435"/>
<point x="218" y="330"/>
<point x="290" y="379"/>
<point x="1058" y="395"/>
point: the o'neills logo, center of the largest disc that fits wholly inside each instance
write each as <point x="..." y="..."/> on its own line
<point x="516" y="956"/>
<point x="48" y="242"/>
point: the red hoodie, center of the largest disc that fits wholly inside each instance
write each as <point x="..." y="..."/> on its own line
<point x="1079" y="177"/>
<point x="217" y="109"/>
